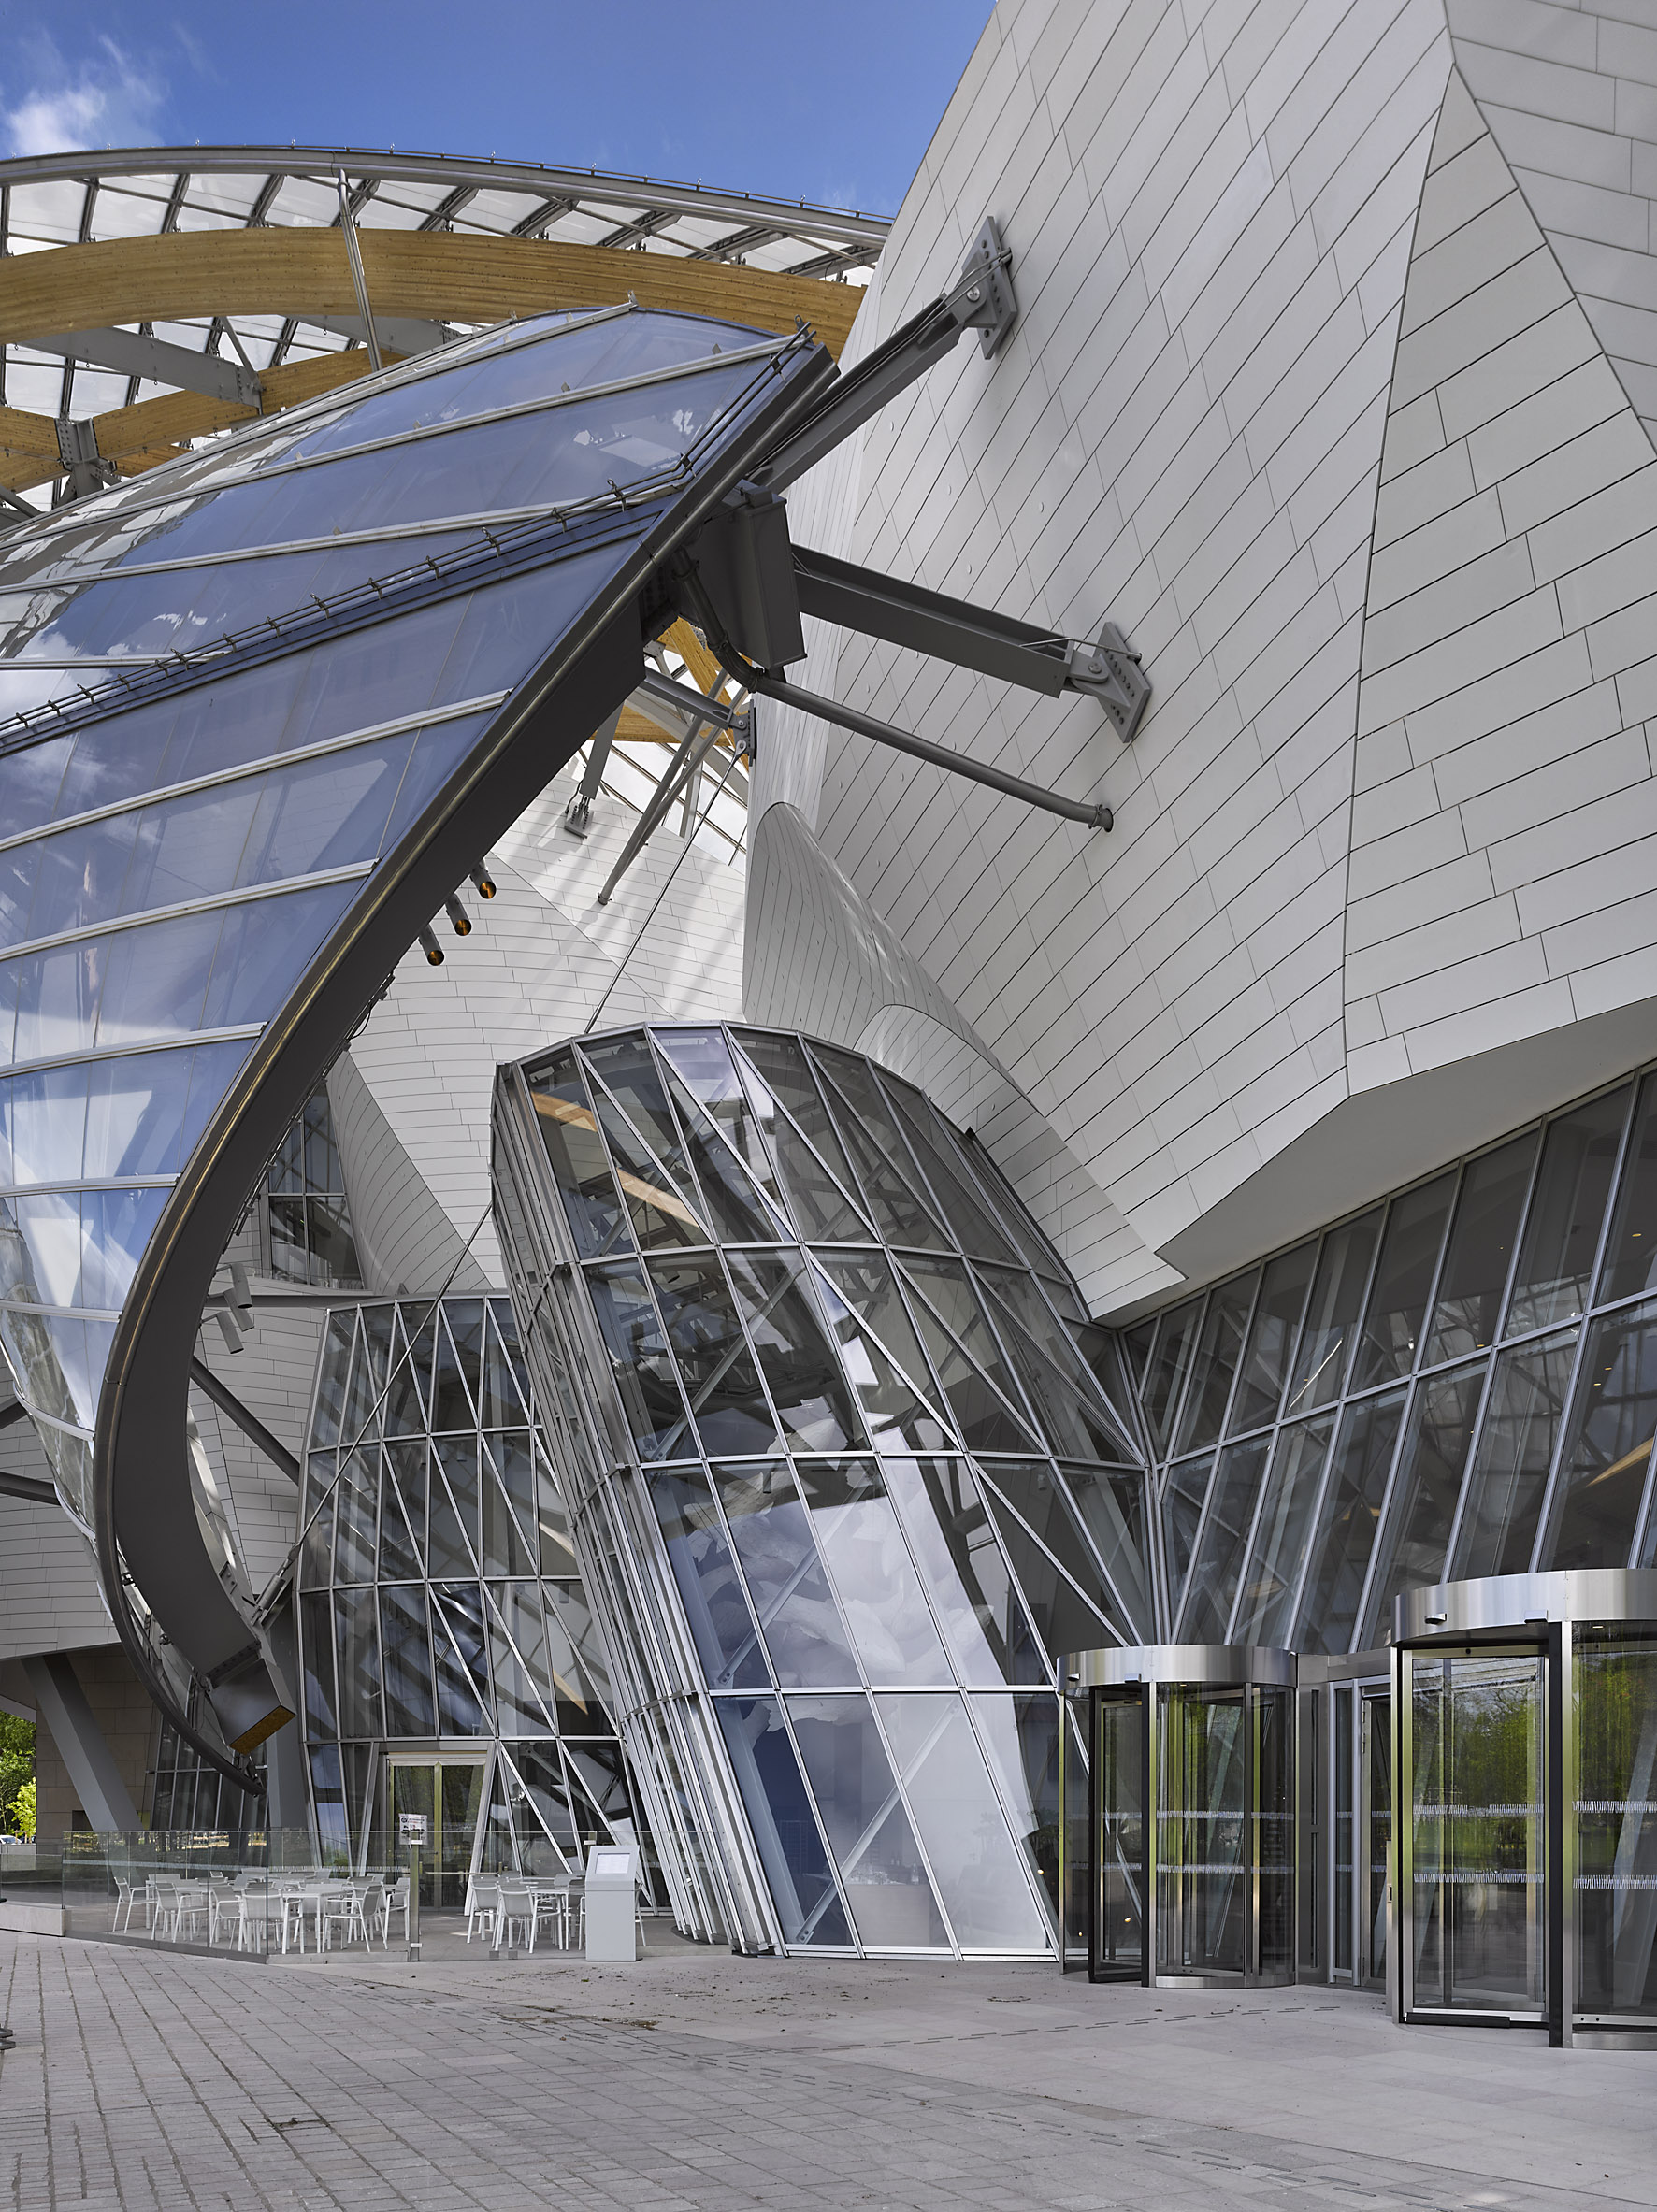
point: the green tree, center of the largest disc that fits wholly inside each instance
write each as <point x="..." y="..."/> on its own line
<point x="17" y="1769"/>
<point x="22" y="1811"/>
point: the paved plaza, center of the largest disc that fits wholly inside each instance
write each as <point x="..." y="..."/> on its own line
<point x="696" y="2079"/>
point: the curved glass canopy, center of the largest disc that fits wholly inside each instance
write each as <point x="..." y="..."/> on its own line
<point x="260" y="709"/>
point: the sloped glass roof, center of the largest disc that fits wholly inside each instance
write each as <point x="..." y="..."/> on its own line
<point x="228" y="693"/>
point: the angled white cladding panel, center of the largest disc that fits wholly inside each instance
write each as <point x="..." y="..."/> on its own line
<point x="1570" y="96"/>
<point x="1210" y="213"/>
<point x="1505" y="822"/>
<point x="545" y="961"/>
<point x="49" y="1580"/>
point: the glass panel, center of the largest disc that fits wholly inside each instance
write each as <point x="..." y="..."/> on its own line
<point x="1332" y="1316"/>
<point x="1606" y="1457"/>
<point x="977" y="1870"/>
<point x="1272" y="1718"/>
<point x="1022" y="1737"/>
<point x="408" y="1660"/>
<point x="982" y="1393"/>
<point x="704" y="1066"/>
<point x="661" y="1217"/>
<point x="1265" y="1603"/>
<point x="356" y="1646"/>
<point x="1176" y="1337"/>
<point x="451" y="1403"/>
<point x="1112" y="1505"/>
<point x="1477" y="1833"/>
<point x="1224" y="1540"/>
<point x="1065" y="1619"/>
<point x="449" y="1547"/>
<point x="1343" y="1778"/>
<point x="790" y="1845"/>
<point x="880" y="1863"/>
<point x="1271" y="1337"/>
<point x="459" y="1713"/>
<point x="965" y="1573"/>
<point x="898" y="1416"/>
<point x="714" y="1362"/>
<point x="1061" y="1388"/>
<point x="1469" y="1301"/>
<point x="1555" y="1271"/>
<point x="1376" y="1756"/>
<point x="1338" y="1554"/>
<point x="1631" y="1250"/>
<point x="1202" y="1831"/>
<point x="1615" y="1686"/>
<point x="807" y="1386"/>
<point x="780" y="1063"/>
<point x="732" y="1200"/>
<point x="514" y="1611"/>
<point x="1217" y="1354"/>
<point x="1522" y="1426"/>
<point x="1118" y="1837"/>
<point x="1403" y="1284"/>
<point x="576" y="1156"/>
<point x="792" y="1601"/>
<point x="402" y="1510"/>
<point x="710" y="1588"/>
<point x="1183" y="1488"/>
<point x="573" y="1663"/>
<point x="628" y="1069"/>
<point x="883" y="1171"/>
<point x="974" y="1231"/>
<point x="1034" y="1491"/>
<point x="880" y="1594"/>
<point x="644" y="1373"/>
<point x="1431" y="1463"/>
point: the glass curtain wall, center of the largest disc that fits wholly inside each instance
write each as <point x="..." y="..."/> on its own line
<point x="442" y="1612"/>
<point x="846" y="1478"/>
<point x="229" y="689"/>
<point x="1460" y="1382"/>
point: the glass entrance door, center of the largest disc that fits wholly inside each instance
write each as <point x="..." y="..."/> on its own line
<point x="1203" y="1817"/>
<point x="1374" y="1820"/>
<point x="1615" y="1811"/>
<point x="1473" y="1889"/>
<point x="1116" y="1950"/>
<point x="449" y="1793"/>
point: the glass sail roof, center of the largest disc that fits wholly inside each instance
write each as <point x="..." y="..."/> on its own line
<point x="227" y="691"/>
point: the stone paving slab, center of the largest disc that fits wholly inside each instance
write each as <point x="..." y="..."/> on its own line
<point x="696" y="2080"/>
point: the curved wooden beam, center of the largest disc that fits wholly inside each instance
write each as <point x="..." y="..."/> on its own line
<point x="184" y="275"/>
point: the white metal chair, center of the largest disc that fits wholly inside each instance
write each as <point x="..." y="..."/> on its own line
<point x="552" y="1905"/>
<point x="394" y="1899"/>
<point x="125" y="1898"/>
<point x="483" y="1907"/>
<point x="228" y="1909"/>
<point x="517" y="1911"/>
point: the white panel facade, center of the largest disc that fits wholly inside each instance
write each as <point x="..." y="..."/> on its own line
<point x="1244" y="303"/>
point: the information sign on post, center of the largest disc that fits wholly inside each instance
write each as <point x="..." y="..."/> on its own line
<point x="413" y="1829"/>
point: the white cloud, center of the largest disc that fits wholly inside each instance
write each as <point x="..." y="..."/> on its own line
<point x="106" y="101"/>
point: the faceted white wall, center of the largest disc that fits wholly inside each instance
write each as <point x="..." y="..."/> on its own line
<point x="1260" y="997"/>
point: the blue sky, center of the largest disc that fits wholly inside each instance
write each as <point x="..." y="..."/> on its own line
<point x="832" y="102"/>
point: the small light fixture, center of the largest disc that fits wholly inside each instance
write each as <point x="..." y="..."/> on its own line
<point x="457" y="914"/>
<point x="483" y="883"/>
<point x="431" y="948"/>
<point x="1436" y="1621"/>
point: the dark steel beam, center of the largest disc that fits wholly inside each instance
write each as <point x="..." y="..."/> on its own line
<point x="249" y="1423"/>
<point x="958" y="764"/>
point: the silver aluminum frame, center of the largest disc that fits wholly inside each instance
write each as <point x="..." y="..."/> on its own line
<point x="1521" y="1613"/>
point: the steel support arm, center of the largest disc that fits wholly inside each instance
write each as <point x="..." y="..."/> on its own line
<point x="973" y="637"/>
<point x="1050" y="802"/>
<point x="129" y="353"/>
<point x="981" y="300"/>
<point x="249" y="1423"/>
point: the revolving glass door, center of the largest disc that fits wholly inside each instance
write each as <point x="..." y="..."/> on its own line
<point x="1190" y="1830"/>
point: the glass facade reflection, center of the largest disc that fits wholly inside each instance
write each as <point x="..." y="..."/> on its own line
<point x="845" y="1477"/>
<point x="441" y="1614"/>
<point x="229" y="689"/>
<point x="1460" y="1382"/>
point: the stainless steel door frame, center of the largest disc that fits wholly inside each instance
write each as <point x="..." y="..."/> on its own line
<point x="1406" y="1937"/>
